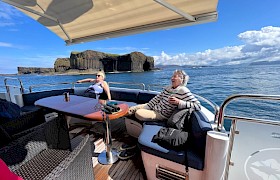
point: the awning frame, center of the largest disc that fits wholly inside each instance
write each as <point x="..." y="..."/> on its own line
<point x="40" y="14"/>
<point x="185" y="19"/>
<point x="202" y="18"/>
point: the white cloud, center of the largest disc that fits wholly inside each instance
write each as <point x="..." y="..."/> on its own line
<point x="262" y="45"/>
<point x="8" y="15"/>
<point x="10" y="45"/>
<point x="267" y="36"/>
<point x="3" y="44"/>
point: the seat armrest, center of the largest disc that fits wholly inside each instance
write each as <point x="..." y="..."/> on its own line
<point x="198" y="127"/>
<point x="23" y="149"/>
<point x="51" y="134"/>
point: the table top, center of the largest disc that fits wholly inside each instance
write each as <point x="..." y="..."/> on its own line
<point x="81" y="107"/>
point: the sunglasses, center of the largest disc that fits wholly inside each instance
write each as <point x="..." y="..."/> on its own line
<point x="98" y="75"/>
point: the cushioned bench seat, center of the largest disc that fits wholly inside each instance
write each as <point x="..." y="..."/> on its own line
<point x="197" y="129"/>
<point x="146" y="145"/>
<point x="30" y="98"/>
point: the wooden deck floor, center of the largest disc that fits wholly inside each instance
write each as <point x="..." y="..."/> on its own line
<point x="122" y="169"/>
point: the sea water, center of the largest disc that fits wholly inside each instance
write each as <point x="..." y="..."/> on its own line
<point x="213" y="83"/>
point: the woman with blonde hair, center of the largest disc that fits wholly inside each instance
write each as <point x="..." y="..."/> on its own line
<point x="99" y="87"/>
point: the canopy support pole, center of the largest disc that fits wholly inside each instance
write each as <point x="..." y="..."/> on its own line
<point x="176" y="10"/>
<point x="39" y="14"/>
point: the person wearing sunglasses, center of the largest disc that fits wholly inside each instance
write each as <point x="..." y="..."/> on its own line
<point x="99" y="87"/>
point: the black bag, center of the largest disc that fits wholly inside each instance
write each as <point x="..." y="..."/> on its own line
<point x="179" y="119"/>
<point x="171" y="138"/>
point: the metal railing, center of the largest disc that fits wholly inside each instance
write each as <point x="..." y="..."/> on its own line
<point x="241" y="96"/>
<point x="53" y="84"/>
<point x="154" y="86"/>
<point x="215" y="107"/>
<point x="73" y="85"/>
<point x="7" y="86"/>
<point x="234" y="120"/>
<point x="141" y="85"/>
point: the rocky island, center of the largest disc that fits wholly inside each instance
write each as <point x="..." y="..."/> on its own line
<point x="90" y="61"/>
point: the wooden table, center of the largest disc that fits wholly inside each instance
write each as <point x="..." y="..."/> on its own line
<point x="88" y="109"/>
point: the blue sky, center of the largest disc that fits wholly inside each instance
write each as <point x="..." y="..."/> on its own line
<point x="246" y="31"/>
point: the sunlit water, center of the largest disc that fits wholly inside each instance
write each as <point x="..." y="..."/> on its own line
<point x="213" y="83"/>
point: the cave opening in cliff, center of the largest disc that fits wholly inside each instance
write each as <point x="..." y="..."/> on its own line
<point x="146" y="66"/>
<point x="108" y="65"/>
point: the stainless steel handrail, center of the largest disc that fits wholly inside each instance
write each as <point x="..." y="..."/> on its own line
<point x="153" y="85"/>
<point x="142" y="85"/>
<point x="13" y="86"/>
<point x="10" y="78"/>
<point x="241" y="96"/>
<point x="234" y="120"/>
<point x="254" y="120"/>
<point x="212" y="104"/>
<point x="54" y="84"/>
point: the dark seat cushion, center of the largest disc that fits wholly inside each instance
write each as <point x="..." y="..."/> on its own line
<point x="30" y="108"/>
<point x="30" y="98"/>
<point x="23" y="122"/>
<point x="146" y="145"/>
<point x="8" y="110"/>
<point x="197" y="128"/>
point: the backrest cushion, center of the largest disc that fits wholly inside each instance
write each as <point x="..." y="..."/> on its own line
<point x="197" y="128"/>
<point x="144" y="96"/>
<point x="30" y="98"/>
<point x="8" y="110"/>
<point x="129" y="95"/>
<point x="81" y="91"/>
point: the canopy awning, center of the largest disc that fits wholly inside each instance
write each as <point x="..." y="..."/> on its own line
<point x="77" y="21"/>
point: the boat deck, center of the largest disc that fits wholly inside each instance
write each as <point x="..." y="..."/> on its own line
<point x="132" y="168"/>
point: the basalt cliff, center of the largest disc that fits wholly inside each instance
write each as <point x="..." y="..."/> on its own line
<point x="92" y="61"/>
